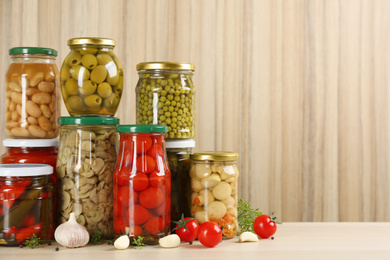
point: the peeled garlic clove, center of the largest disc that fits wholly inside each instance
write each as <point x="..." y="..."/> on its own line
<point x="122" y="242"/>
<point x="248" y="237"/>
<point x="71" y="234"/>
<point x="169" y="241"/>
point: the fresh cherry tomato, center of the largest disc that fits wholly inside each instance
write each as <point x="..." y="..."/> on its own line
<point x="156" y="179"/>
<point x="154" y="225"/>
<point x="143" y="143"/>
<point x="140" y="181"/>
<point x="187" y="229"/>
<point x="209" y="234"/>
<point x="265" y="225"/>
<point x="151" y="197"/>
<point x="145" y="164"/>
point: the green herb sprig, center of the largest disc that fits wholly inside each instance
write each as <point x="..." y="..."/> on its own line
<point x="137" y="242"/>
<point x="246" y="216"/>
<point x="96" y="238"/>
<point x="33" y="241"/>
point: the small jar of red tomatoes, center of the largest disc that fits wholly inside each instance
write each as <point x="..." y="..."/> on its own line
<point x="26" y="203"/>
<point x="142" y="183"/>
<point x="41" y="151"/>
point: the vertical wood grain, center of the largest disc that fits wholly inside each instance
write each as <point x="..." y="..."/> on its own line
<point x="299" y="88"/>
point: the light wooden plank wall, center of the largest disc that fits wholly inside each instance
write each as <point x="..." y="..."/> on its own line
<point x="300" y="88"/>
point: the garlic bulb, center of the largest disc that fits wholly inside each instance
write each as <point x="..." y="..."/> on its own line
<point x="71" y="234"/>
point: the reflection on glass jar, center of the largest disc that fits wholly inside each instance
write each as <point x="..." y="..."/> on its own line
<point x="86" y="161"/>
<point x="214" y="178"/>
<point x="142" y="184"/>
<point x="91" y="77"/>
<point x="26" y="203"/>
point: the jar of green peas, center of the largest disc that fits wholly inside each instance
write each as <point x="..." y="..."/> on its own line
<point x="166" y="96"/>
<point x="91" y="77"/>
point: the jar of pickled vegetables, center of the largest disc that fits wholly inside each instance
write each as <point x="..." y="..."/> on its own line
<point x="85" y="163"/>
<point x="26" y="203"/>
<point x="41" y="151"/>
<point x="142" y="183"/>
<point x="214" y="177"/>
<point x="91" y="77"/>
<point x="178" y="152"/>
<point x="166" y="96"/>
<point x="32" y="103"/>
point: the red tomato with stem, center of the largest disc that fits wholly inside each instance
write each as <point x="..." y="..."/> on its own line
<point x="142" y="143"/>
<point x="151" y="197"/>
<point x="209" y="234"/>
<point x="145" y="164"/>
<point x="265" y="226"/>
<point x="187" y="228"/>
<point x="140" y="182"/>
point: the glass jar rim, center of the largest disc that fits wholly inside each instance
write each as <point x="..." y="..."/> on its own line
<point x="30" y="142"/>
<point x="215" y="156"/>
<point x="25" y="170"/>
<point x="32" y="50"/>
<point x="185" y="143"/>
<point x="165" y="65"/>
<point x="88" y="120"/>
<point x="91" y="41"/>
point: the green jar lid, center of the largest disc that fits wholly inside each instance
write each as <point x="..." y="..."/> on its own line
<point x="32" y="50"/>
<point x="88" y="120"/>
<point x="142" y="129"/>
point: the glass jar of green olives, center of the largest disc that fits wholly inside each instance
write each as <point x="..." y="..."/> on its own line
<point x="91" y="77"/>
<point x="166" y="96"/>
<point x="178" y="153"/>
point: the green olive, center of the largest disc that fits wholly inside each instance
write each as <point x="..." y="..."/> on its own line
<point x="65" y="74"/>
<point x="74" y="58"/>
<point x="71" y="87"/>
<point x="89" y="61"/>
<point x="104" y="90"/>
<point x="103" y="59"/>
<point x="75" y="103"/>
<point x="88" y="51"/>
<point x="79" y="72"/>
<point x="114" y="80"/>
<point x="93" y="101"/>
<point x="99" y="74"/>
<point x="88" y="88"/>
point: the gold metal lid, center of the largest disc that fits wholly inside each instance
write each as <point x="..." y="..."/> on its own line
<point x="214" y="156"/>
<point x="162" y="65"/>
<point x="91" y="40"/>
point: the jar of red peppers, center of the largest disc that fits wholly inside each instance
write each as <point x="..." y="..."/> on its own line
<point x="142" y="183"/>
<point x="214" y="178"/>
<point x="42" y="151"/>
<point x="26" y="203"/>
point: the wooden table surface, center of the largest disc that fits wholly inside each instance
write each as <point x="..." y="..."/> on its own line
<point x="292" y="241"/>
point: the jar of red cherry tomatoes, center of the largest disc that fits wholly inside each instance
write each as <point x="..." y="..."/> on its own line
<point x="26" y="203"/>
<point x="42" y="151"/>
<point x="142" y="183"/>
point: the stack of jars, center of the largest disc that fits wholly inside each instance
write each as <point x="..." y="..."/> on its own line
<point x="32" y="111"/>
<point x="91" y="86"/>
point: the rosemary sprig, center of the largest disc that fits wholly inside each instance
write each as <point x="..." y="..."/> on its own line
<point x="246" y="216"/>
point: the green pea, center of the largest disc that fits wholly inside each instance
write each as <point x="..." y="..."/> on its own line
<point x="93" y="101"/>
<point x="104" y="90"/>
<point x="88" y="88"/>
<point x="168" y="121"/>
<point x="89" y="61"/>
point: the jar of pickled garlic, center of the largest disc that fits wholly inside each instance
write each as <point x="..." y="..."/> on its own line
<point x="178" y="152"/>
<point x="41" y="151"/>
<point x="91" y="77"/>
<point x="85" y="163"/>
<point x="26" y="203"/>
<point x="32" y="104"/>
<point x="166" y="96"/>
<point x="214" y="178"/>
<point x="142" y="183"/>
